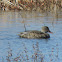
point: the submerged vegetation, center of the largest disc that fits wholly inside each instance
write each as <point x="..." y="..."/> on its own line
<point x="37" y="55"/>
<point x="38" y="5"/>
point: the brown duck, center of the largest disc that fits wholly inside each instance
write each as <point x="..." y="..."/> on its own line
<point x="36" y="34"/>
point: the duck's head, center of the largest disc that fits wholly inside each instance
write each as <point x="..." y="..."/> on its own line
<point x="46" y="29"/>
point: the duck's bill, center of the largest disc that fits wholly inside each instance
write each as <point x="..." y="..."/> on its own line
<point x="50" y="32"/>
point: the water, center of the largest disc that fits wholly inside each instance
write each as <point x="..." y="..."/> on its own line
<point x="12" y="23"/>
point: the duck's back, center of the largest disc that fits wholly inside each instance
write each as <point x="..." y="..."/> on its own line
<point x="35" y="31"/>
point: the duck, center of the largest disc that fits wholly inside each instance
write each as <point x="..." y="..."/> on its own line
<point x="34" y="34"/>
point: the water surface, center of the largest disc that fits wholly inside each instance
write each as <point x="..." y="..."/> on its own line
<point x="12" y="23"/>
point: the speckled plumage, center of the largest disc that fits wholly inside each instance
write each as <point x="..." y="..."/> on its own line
<point x="36" y="34"/>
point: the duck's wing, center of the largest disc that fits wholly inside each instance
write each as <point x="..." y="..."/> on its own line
<point x="35" y="31"/>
